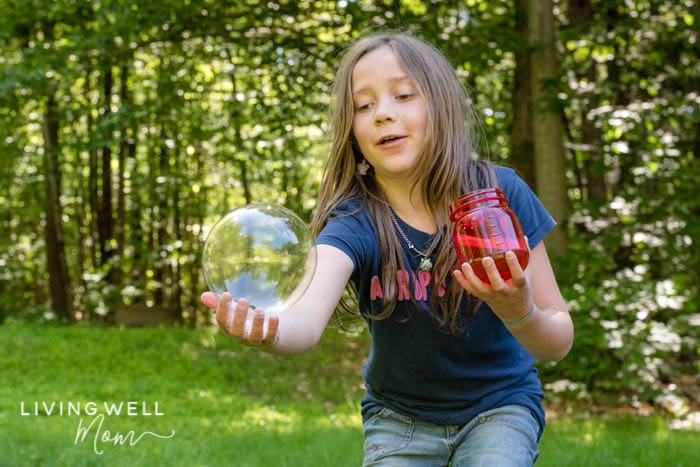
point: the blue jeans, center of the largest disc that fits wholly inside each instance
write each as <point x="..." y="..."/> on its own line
<point x="506" y="436"/>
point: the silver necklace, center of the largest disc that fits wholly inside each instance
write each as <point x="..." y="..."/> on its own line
<point x="425" y="263"/>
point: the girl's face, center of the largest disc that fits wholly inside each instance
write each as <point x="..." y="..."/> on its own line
<point x="390" y="115"/>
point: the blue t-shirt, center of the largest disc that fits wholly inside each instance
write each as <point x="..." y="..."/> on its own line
<point x="421" y="371"/>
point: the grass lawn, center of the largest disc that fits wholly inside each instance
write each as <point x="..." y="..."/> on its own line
<point x="624" y="442"/>
<point x="199" y="399"/>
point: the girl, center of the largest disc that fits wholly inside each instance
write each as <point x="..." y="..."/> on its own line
<point x="450" y="376"/>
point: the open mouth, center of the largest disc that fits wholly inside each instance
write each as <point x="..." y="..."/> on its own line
<point x="388" y="139"/>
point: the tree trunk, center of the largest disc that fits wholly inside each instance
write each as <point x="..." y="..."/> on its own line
<point x="105" y="219"/>
<point x="124" y="97"/>
<point x="161" y="209"/>
<point x="580" y="18"/>
<point x="197" y="206"/>
<point x="57" y="266"/>
<point x="124" y="152"/>
<point x="238" y="139"/>
<point x="521" y="151"/>
<point x="548" y="129"/>
<point x="93" y="176"/>
<point x="177" y="230"/>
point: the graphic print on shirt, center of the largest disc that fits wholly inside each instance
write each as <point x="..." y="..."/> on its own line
<point x="418" y="281"/>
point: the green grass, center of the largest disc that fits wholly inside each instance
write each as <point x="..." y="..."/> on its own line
<point x="229" y="405"/>
<point x="627" y="441"/>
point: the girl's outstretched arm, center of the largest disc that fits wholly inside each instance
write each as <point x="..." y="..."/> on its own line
<point x="298" y="328"/>
<point x="530" y="304"/>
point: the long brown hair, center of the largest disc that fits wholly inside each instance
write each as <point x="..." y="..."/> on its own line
<point x="445" y="169"/>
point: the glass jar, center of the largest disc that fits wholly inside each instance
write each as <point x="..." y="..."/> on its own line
<point x="484" y="226"/>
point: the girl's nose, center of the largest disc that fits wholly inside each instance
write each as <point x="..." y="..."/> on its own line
<point x="385" y="111"/>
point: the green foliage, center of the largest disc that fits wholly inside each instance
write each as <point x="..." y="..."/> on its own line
<point x="631" y="273"/>
<point x="214" y="104"/>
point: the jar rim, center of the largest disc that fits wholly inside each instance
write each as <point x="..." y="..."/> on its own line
<point x="468" y="200"/>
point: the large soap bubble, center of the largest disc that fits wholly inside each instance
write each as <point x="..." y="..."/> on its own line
<point x="262" y="252"/>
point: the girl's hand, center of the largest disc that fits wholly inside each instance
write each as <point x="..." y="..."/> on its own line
<point x="233" y="321"/>
<point x="510" y="299"/>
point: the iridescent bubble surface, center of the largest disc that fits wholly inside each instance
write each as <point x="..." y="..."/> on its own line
<point x="262" y="252"/>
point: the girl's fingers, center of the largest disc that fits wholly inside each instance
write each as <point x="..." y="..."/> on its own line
<point x="500" y="294"/>
<point x="516" y="272"/>
<point x="272" y="327"/>
<point x="458" y="274"/>
<point x="223" y="310"/>
<point x="468" y="279"/>
<point x="233" y="319"/>
<point x="256" y="329"/>
<point x="495" y="279"/>
<point x="240" y="315"/>
<point x="209" y="299"/>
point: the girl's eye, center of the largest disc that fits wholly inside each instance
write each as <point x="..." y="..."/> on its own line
<point x="362" y="107"/>
<point x="405" y="96"/>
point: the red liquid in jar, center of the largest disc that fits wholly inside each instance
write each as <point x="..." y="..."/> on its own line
<point x="501" y="265"/>
<point x="485" y="226"/>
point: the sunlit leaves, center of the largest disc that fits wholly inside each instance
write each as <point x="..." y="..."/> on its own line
<point x="226" y="101"/>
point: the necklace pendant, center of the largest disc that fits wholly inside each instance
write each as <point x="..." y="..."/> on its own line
<point x="425" y="264"/>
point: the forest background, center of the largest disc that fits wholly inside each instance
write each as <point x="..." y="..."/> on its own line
<point x="128" y="128"/>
